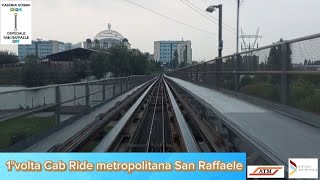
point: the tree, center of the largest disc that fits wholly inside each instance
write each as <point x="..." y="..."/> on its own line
<point x="119" y="60"/>
<point x="99" y="63"/>
<point x="122" y="61"/>
<point x="34" y="73"/>
<point x="154" y="67"/>
<point x="80" y="70"/>
<point x="138" y="62"/>
<point x="185" y="56"/>
<point x="175" y="61"/>
<point x="182" y="64"/>
<point x="275" y="61"/>
<point x="7" y="57"/>
<point x="31" y="58"/>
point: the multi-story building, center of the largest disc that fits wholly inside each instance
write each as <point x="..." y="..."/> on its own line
<point x="42" y="48"/>
<point x="184" y="52"/>
<point x="164" y="51"/>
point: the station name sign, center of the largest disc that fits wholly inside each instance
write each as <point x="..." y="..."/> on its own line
<point x="15" y="22"/>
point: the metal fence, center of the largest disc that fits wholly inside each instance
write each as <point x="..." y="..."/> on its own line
<point x="27" y="115"/>
<point x="70" y="96"/>
<point x="287" y="72"/>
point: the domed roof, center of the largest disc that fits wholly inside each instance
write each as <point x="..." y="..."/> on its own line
<point x="109" y="34"/>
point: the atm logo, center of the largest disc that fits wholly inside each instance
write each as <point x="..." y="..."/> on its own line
<point x="265" y="172"/>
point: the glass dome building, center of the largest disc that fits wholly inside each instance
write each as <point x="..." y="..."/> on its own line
<point x="106" y="39"/>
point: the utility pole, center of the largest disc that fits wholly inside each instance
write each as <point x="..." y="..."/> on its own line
<point x="219" y="61"/>
<point x="220" y="31"/>
<point x="238" y="12"/>
<point x="236" y="76"/>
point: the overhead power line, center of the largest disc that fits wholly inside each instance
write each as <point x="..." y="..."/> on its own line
<point x="172" y="19"/>
<point x="200" y="12"/>
<point x="231" y="29"/>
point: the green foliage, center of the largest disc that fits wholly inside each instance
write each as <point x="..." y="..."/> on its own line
<point x="99" y="64"/>
<point x="34" y="73"/>
<point x="138" y="62"/>
<point x="31" y="58"/>
<point x="182" y="64"/>
<point x="262" y="78"/>
<point x="300" y="90"/>
<point x="119" y="60"/>
<point x="122" y="61"/>
<point x="7" y="57"/>
<point x="248" y="62"/>
<point x="16" y="129"/>
<point x="79" y="70"/>
<point x="175" y="61"/>
<point x="10" y="76"/>
<point x="60" y="77"/>
<point x="228" y="81"/>
<point x="311" y="103"/>
<point x="275" y="61"/>
<point x="305" y="95"/>
<point x="314" y="79"/>
<point x="230" y="64"/>
<point x="246" y="80"/>
<point x="154" y="67"/>
<point x="263" y="90"/>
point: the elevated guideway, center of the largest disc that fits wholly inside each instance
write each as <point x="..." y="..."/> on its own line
<point x="278" y="136"/>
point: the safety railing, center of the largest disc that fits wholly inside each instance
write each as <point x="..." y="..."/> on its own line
<point x="287" y="72"/>
<point x="29" y="111"/>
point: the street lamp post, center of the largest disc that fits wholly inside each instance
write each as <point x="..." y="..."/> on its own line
<point x="220" y="43"/>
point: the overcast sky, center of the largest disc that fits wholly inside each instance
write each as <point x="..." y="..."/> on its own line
<point x="76" y="20"/>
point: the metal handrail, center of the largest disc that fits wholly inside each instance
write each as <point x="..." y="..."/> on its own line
<point x="66" y="84"/>
<point x="313" y="36"/>
<point x="260" y="72"/>
<point x="53" y="105"/>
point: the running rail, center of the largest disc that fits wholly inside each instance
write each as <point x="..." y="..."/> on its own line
<point x="109" y="139"/>
<point x="187" y="136"/>
<point x="154" y="112"/>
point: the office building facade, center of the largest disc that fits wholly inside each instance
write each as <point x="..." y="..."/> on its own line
<point x="164" y="51"/>
<point x="42" y="48"/>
